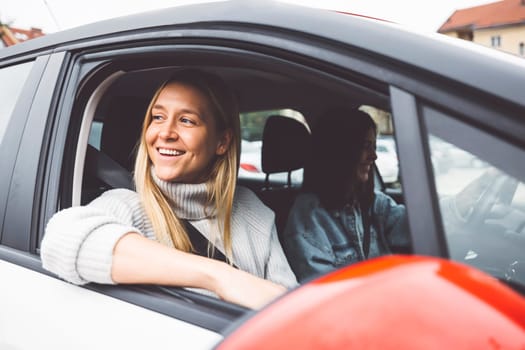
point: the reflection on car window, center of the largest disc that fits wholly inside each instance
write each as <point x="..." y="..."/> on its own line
<point x="484" y="220"/>
<point x="252" y="127"/>
<point x="16" y="76"/>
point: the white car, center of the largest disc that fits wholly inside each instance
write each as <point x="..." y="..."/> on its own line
<point x="71" y="108"/>
<point x="250" y="163"/>
<point x="250" y="167"/>
<point x="387" y="163"/>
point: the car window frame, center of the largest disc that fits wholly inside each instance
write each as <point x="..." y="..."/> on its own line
<point x="417" y="183"/>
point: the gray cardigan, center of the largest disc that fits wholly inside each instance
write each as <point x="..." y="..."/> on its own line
<point x="79" y="241"/>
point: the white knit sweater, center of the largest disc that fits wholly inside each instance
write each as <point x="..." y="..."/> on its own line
<point x="79" y="241"/>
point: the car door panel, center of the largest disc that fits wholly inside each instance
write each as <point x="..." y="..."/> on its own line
<point x="63" y="316"/>
<point x="23" y="190"/>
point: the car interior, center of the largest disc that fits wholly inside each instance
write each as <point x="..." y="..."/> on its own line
<point x="117" y="122"/>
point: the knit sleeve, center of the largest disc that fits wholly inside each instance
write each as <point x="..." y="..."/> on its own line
<point x="264" y="247"/>
<point x="79" y="241"/>
<point x="277" y="268"/>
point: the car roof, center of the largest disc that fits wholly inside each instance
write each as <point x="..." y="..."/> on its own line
<point x="471" y="64"/>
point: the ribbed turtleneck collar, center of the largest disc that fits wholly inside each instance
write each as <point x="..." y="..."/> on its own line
<point x="188" y="201"/>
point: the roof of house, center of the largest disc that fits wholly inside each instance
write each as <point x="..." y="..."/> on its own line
<point x="499" y="13"/>
<point x="10" y="36"/>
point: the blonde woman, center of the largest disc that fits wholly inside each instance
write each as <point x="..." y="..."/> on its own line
<point x="185" y="171"/>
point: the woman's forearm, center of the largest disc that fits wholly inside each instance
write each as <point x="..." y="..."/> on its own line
<point x="137" y="259"/>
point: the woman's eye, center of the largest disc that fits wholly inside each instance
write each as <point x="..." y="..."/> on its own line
<point x="156" y="117"/>
<point x="186" y="120"/>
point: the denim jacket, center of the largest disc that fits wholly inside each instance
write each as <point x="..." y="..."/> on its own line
<point x="317" y="240"/>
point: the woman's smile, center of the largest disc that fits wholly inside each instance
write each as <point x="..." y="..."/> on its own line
<point x="170" y="152"/>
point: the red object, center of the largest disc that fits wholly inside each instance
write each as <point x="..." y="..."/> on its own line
<point x="494" y="14"/>
<point x="393" y="302"/>
<point x="249" y="167"/>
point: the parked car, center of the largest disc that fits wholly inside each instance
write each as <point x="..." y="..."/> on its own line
<point x="250" y="167"/>
<point x="250" y="163"/>
<point x="387" y="163"/>
<point x="71" y="116"/>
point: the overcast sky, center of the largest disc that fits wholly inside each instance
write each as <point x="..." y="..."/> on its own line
<point x="54" y="15"/>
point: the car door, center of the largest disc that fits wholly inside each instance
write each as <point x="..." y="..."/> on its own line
<point x="58" y="314"/>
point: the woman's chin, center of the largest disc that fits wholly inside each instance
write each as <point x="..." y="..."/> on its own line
<point x="166" y="176"/>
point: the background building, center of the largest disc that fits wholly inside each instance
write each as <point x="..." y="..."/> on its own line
<point x="11" y="36"/>
<point x="500" y="25"/>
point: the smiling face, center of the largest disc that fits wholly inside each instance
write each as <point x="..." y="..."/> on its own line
<point x="368" y="156"/>
<point x="182" y="138"/>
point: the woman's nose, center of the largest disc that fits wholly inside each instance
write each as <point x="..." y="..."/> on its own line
<point x="168" y="132"/>
<point x="373" y="155"/>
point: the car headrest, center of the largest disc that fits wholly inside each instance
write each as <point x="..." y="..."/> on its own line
<point x="122" y="128"/>
<point x="285" y="144"/>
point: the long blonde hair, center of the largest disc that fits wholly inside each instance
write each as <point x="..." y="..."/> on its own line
<point x="223" y="174"/>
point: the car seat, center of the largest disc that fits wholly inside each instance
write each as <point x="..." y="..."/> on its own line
<point x="112" y="165"/>
<point x="284" y="149"/>
<point x="122" y="128"/>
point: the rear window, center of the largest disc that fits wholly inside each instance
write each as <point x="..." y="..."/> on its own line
<point x="16" y="76"/>
<point x="252" y="127"/>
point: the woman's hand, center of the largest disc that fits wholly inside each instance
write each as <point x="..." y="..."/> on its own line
<point x="245" y="289"/>
<point x="137" y="259"/>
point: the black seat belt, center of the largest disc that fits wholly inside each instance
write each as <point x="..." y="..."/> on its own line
<point x="116" y="176"/>
<point x="107" y="170"/>
<point x="200" y="244"/>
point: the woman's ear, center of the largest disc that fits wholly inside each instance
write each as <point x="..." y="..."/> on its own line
<point x="224" y="142"/>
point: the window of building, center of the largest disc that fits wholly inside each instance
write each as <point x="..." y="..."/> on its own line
<point x="495" y="41"/>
